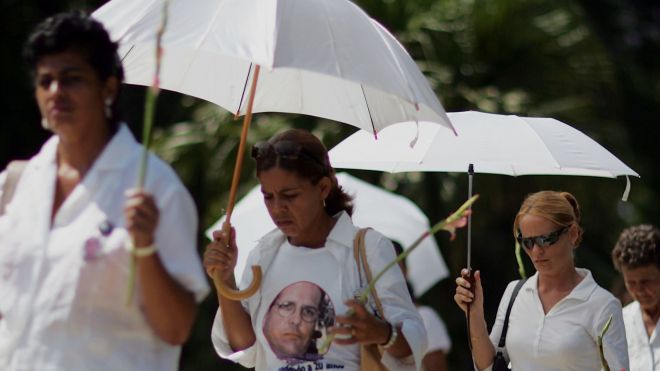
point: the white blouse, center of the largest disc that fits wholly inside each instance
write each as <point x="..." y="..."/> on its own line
<point x="564" y="338"/>
<point x="644" y="351"/>
<point x="62" y="287"/>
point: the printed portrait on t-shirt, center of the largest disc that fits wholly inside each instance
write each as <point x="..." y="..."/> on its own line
<point x="297" y="322"/>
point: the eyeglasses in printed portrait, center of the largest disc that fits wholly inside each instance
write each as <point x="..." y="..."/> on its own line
<point x="297" y="322"/>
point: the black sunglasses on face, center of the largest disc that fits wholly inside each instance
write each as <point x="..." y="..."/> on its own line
<point x="541" y="241"/>
<point x="287" y="150"/>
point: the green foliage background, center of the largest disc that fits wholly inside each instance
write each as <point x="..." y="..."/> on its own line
<point x="592" y="64"/>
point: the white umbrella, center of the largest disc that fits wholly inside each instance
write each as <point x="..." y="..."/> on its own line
<point x="496" y="144"/>
<point x="395" y="216"/>
<point x="325" y="58"/>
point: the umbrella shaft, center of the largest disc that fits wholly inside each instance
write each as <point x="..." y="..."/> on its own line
<point x="241" y="147"/>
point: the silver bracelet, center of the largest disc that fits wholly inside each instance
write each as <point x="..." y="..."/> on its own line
<point x="394" y="333"/>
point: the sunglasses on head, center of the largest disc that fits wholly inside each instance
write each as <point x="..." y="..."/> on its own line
<point x="541" y="241"/>
<point x="285" y="149"/>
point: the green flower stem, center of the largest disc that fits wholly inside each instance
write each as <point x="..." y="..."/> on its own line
<point x="442" y="225"/>
<point x="149" y="112"/>
<point x="521" y="267"/>
<point x="599" y="342"/>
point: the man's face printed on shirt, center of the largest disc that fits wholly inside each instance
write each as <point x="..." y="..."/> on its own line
<point x="290" y="325"/>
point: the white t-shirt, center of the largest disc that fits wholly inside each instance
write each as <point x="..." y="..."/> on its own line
<point x="308" y="278"/>
<point x="644" y="351"/>
<point x="334" y="269"/>
<point x="564" y="338"/>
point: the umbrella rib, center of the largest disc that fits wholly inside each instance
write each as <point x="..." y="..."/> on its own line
<point x="240" y="103"/>
<point x="366" y="102"/>
<point x="411" y="91"/>
<point x="127" y="53"/>
<point x="530" y="127"/>
<point x="332" y="38"/>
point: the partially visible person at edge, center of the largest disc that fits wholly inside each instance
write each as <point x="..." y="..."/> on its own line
<point x="560" y="310"/>
<point x="439" y="342"/>
<point x="73" y="226"/>
<point x="313" y="242"/>
<point x="637" y="256"/>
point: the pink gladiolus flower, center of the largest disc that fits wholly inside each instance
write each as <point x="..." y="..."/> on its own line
<point x="461" y="222"/>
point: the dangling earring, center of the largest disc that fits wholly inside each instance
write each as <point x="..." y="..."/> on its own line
<point x="324" y="203"/>
<point x="45" y="124"/>
<point x="108" y="108"/>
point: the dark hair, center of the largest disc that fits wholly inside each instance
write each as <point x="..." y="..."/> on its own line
<point x="77" y="31"/>
<point x="309" y="159"/>
<point x="637" y="246"/>
<point x="560" y="208"/>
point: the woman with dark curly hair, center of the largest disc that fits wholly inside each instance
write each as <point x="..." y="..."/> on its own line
<point x="73" y="226"/>
<point x="637" y="256"/>
<point x="559" y="312"/>
<point x="311" y="248"/>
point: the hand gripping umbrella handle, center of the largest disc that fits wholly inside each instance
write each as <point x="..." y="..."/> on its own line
<point x="237" y="295"/>
<point x="469" y="276"/>
<point x="233" y="294"/>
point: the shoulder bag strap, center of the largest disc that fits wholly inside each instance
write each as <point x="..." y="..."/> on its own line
<point x="360" y="254"/>
<point x="14" y="171"/>
<point x="505" y="327"/>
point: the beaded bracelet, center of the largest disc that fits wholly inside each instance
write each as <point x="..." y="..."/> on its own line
<point x="394" y="333"/>
<point x="141" y="252"/>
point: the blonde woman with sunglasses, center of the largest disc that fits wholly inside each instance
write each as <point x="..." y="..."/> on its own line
<point x="559" y="312"/>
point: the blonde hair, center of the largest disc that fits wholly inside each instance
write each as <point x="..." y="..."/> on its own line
<point x="560" y="208"/>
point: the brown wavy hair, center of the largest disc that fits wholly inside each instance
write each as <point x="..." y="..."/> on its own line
<point x="311" y="162"/>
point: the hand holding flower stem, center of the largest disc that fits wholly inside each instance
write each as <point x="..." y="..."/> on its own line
<point x="458" y="219"/>
<point x="149" y="110"/>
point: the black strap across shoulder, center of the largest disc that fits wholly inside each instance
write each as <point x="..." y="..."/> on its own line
<point x="508" y="312"/>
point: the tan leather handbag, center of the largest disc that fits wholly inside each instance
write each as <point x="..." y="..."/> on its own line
<point x="371" y="354"/>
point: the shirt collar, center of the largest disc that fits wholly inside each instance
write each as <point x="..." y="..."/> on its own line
<point x="581" y="292"/>
<point x="118" y="151"/>
<point x="114" y="156"/>
<point x="343" y="233"/>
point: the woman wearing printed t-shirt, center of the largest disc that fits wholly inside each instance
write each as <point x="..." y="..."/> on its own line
<point x="559" y="311"/>
<point x="310" y="274"/>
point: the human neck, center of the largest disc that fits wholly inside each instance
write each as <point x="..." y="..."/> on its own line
<point x="79" y="152"/>
<point x="565" y="280"/>
<point x="652" y="313"/>
<point x="317" y="234"/>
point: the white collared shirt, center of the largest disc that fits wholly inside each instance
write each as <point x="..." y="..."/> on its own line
<point x="391" y="289"/>
<point x="436" y="329"/>
<point x="62" y="287"/>
<point x="644" y="351"/>
<point x="564" y="338"/>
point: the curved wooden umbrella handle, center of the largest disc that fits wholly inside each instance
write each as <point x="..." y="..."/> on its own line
<point x="237" y="295"/>
<point x="225" y="291"/>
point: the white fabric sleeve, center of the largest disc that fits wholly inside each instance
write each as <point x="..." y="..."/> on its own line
<point x="438" y="336"/>
<point x="397" y="304"/>
<point x="246" y="357"/>
<point x="615" y="346"/>
<point x="176" y="235"/>
<point x="3" y="179"/>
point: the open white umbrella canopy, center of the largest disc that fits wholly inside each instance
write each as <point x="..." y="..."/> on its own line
<point x="325" y="58"/>
<point x="496" y="144"/>
<point x="397" y="217"/>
